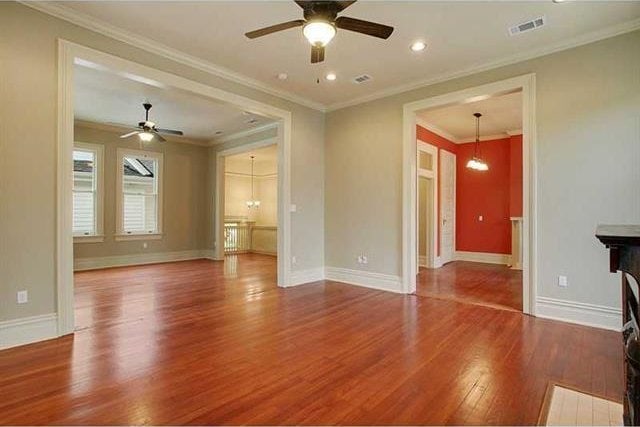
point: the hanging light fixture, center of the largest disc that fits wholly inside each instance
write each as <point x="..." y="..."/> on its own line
<point x="476" y="162"/>
<point x="253" y="203"/>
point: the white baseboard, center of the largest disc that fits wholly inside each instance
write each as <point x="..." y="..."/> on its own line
<point x="422" y="261"/>
<point x="367" y="279"/>
<point x="27" y="330"/>
<point x="300" y="277"/>
<point x="485" y="257"/>
<point x="82" y="264"/>
<point x="263" y="253"/>
<point x="598" y="316"/>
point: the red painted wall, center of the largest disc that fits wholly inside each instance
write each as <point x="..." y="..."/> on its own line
<point x="485" y="194"/>
<point x="495" y="194"/>
<point x="515" y="176"/>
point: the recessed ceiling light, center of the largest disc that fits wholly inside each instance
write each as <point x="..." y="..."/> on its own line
<point x="283" y="76"/>
<point x="418" y="46"/>
<point x="559" y="1"/>
<point x="331" y="76"/>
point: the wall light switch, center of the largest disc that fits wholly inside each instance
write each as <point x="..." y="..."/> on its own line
<point x="23" y="297"/>
<point x="480" y="218"/>
<point x="563" y="282"/>
<point x="293" y="260"/>
<point x="293" y="208"/>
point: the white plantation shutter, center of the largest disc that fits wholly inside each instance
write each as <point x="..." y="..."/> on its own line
<point x="134" y="218"/>
<point x="83" y="213"/>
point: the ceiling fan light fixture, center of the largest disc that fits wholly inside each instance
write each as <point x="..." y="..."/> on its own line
<point x="319" y="33"/>
<point x="145" y="136"/>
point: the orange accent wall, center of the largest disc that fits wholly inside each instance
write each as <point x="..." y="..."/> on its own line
<point x="485" y="194"/>
<point x="515" y="176"/>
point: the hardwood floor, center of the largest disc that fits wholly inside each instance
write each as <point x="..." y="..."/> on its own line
<point x="191" y="343"/>
<point x="474" y="283"/>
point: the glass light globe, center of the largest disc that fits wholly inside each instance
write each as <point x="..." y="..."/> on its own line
<point x="319" y="33"/>
<point x="145" y="136"/>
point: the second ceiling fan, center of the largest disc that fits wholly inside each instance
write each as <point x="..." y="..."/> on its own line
<point x="320" y="22"/>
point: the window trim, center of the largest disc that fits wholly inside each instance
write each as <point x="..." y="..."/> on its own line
<point x="98" y="150"/>
<point x="121" y="235"/>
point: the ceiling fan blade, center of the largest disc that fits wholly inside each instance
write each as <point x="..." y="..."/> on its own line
<point x="274" y="28"/>
<point x="342" y="5"/>
<point x="127" y="135"/>
<point x="364" y="27"/>
<point x="317" y="54"/>
<point x="170" y="131"/>
<point x="159" y="137"/>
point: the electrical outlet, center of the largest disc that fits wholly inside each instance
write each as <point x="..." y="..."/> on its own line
<point x="563" y="282"/>
<point x="480" y="218"/>
<point x="293" y="260"/>
<point x="293" y="208"/>
<point x="22" y="297"/>
<point x="359" y="259"/>
<point x="145" y="245"/>
<point x="365" y="260"/>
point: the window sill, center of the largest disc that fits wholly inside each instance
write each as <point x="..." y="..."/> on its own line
<point x="96" y="238"/>
<point x="145" y="236"/>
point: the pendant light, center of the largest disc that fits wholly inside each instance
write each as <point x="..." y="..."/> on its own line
<point x="476" y="162"/>
<point x="253" y="203"/>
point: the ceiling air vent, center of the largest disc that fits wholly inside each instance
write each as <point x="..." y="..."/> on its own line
<point x="362" y="78"/>
<point x="534" y="24"/>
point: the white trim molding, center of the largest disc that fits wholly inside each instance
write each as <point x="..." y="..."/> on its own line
<point x="84" y="264"/>
<point x="598" y="316"/>
<point x="243" y="133"/>
<point x="367" y="279"/>
<point x="486" y="257"/>
<point x="302" y="277"/>
<point x="28" y="330"/>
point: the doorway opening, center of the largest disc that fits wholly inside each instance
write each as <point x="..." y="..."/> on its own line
<point x="146" y="200"/>
<point x="250" y="205"/>
<point x="469" y="230"/>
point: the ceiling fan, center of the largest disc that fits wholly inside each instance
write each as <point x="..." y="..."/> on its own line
<point x="320" y="22"/>
<point x="148" y="129"/>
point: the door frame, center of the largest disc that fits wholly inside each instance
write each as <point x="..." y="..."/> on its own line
<point x="67" y="54"/>
<point x="432" y="244"/>
<point x="525" y="83"/>
<point x="441" y="262"/>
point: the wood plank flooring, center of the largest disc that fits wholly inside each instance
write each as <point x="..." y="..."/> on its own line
<point x="473" y="283"/>
<point x="195" y="343"/>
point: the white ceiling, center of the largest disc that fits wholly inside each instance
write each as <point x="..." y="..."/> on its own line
<point x="102" y="96"/>
<point x="265" y="162"/>
<point x="461" y="37"/>
<point x="501" y="115"/>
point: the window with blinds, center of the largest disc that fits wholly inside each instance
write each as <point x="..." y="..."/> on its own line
<point x="140" y="184"/>
<point x="85" y="191"/>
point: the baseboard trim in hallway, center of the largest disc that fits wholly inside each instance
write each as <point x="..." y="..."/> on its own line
<point x="28" y="330"/>
<point x="597" y="316"/>
<point x="367" y="279"/>
<point x="84" y="264"/>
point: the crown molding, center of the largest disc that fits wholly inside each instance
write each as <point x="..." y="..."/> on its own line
<point x="243" y="133"/>
<point x="114" y="32"/>
<point x="584" y="39"/>
<point x="435" y="129"/>
<point x="483" y="138"/>
<point x="117" y="128"/>
<point x="514" y="132"/>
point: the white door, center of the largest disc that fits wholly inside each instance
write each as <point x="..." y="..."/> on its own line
<point x="447" y="205"/>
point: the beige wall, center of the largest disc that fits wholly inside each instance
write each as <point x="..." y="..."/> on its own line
<point x="588" y="124"/>
<point x="238" y="191"/>
<point x="184" y="196"/>
<point x="28" y="78"/>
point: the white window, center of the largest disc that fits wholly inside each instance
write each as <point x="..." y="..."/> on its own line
<point x="87" y="192"/>
<point x="140" y="195"/>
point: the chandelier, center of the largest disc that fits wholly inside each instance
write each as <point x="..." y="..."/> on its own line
<point x="476" y="162"/>
<point x="253" y="203"/>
